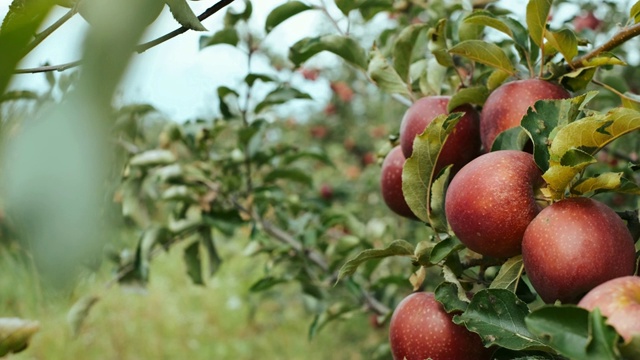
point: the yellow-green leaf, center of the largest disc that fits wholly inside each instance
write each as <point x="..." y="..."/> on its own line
<point x="473" y="95"/>
<point x="564" y="41"/>
<point x="486" y="18"/>
<point x="509" y="274"/>
<point x="606" y="181"/>
<point x="635" y="12"/>
<point x="403" y="49"/>
<point x="385" y="76"/>
<point x="537" y="15"/>
<point x="485" y="53"/>
<point x="396" y="248"/>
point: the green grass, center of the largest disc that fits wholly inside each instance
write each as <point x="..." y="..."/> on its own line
<point x="173" y="319"/>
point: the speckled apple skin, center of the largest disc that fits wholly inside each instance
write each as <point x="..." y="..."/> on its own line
<point x="391" y="183"/>
<point x="491" y="201"/>
<point x="462" y="145"/>
<point x="619" y="300"/>
<point x="421" y="329"/>
<point x="573" y="246"/>
<point x="507" y="105"/>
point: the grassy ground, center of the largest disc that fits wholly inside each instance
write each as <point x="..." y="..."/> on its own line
<point x="174" y="319"/>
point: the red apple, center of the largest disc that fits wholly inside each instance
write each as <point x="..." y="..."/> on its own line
<point x="326" y="192"/>
<point x="586" y="21"/>
<point x="391" y="183"/>
<point x="619" y="300"/>
<point x="421" y="329"/>
<point x="507" y="104"/>
<point x="575" y="245"/>
<point x="491" y="200"/>
<point x="462" y="145"/>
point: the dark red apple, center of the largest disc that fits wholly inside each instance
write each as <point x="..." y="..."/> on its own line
<point x="421" y="329"/>
<point x="462" y="145"/>
<point x="575" y="245"/>
<point x="391" y="183"/>
<point x="507" y="104"/>
<point x="619" y="300"/>
<point x="586" y="21"/>
<point x="326" y="192"/>
<point x="491" y="200"/>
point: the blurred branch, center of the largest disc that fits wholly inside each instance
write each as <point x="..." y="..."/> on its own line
<point x="617" y="40"/>
<point x="139" y="49"/>
<point x="39" y="38"/>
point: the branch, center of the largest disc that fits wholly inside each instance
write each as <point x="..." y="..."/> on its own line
<point x="617" y="40"/>
<point x="139" y="49"/>
<point x="39" y="38"/>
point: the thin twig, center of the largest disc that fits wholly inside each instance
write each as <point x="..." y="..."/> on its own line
<point x="617" y="40"/>
<point x="39" y="38"/>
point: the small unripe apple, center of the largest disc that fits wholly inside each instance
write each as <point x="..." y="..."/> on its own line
<point x="462" y="145"/>
<point x="490" y="202"/>
<point x="575" y="245"/>
<point x="421" y="329"/>
<point x="508" y="104"/>
<point x="619" y="300"/>
<point x="391" y="183"/>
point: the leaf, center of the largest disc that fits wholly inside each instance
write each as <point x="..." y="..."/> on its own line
<point x="231" y="18"/>
<point x="369" y="8"/>
<point x="496" y="79"/>
<point x="396" y="248"/>
<point x="447" y="294"/>
<point x="537" y="15"/>
<point x="438" y="44"/>
<point x="573" y="332"/>
<point x="437" y="216"/>
<point x="153" y="158"/>
<point x="606" y="181"/>
<point x="184" y="15"/>
<point x="473" y="95"/>
<point x="292" y="174"/>
<point x="511" y="139"/>
<point x="283" y="12"/>
<point x="347" y="5"/>
<point x="630" y="101"/>
<point x="450" y="277"/>
<point x="385" y="76"/>
<point x="223" y="93"/>
<point x="225" y="36"/>
<point x="250" y="79"/>
<point x="15" y="334"/>
<point x="634" y="13"/>
<point x="279" y="96"/>
<point x="207" y="241"/>
<point x="345" y="47"/>
<point x="444" y="248"/>
<point x="546" y="118"/>
<point x="486" y="18"/>
<point x="193" y="261"/>
<point x="565" y="42"/>
<point x="485" y="53"/>
<point x="509" y="274"/>
<point x="79" y="312"/>
<point x="579" y="79"/>
<point x="498" y="316"/>
<point x="403" y="49"/>
<point x="266" y="283"/>
<point x="506" y="354"/>
<point x="418" y="170"/>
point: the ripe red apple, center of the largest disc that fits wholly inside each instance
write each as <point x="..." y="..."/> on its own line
<point x="586" y="21"/>
<point x="575" y="245"/>
<point x="326" y="192"/>
<point x="462" y="145"/>
<point x="507" y="104"/>
<point x="491" y="200"/>
<point x="421" y="329"/>
<point x="619" y="300"/>
<point x="391" y="183"/>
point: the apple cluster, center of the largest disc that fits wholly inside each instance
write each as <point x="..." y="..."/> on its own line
<point x="495" y="206"/>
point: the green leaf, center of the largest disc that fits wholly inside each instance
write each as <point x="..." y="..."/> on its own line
<point x="547" y="117"/>
<point x="223" y="93"/>
<point x="574" y="332"/>
<point x="266" y="283"/>
<point x="578" y="79"/>
<point x="193" y="261"/>
<point x="537" y="15"/>
<point x="447" y="295"/>
<point x="418" y="170"/>
<point x="184" y="15"/>
<point x="279" y="96"/>
<point x="634" y="13"/>
<point x="250" y="79"/>
<point x="403" y="49"/>
<point x="283" y="12"/>
<point x="498" y="316"/>
<point x="628" y="187"/>
<point x="345" y="47"/>
<point x="511" y="139"/>
<point x="369" y="8"/>
<point x="292" y="174"/>
<point x="385" y="76"/>
<point x="231" y="18"/>
<point x="449" y="276"/>
<point x="509" y="274"/>
<point x="444" y="248"/>
<point x="153" y="158"/>
<point x="78" y="313"/>
<point x="225" y="36"/>
<point x="565" y="42"/>
<point x="347" y="5"/>
<point x="496" y="79"/>
<point x="396" y="248"/>
<point x="473" y="95"/>
<point x="438" y="44"/>
<point x="437" y="216"/>
<point x="15" y="334"/>
<point x="506" y="354"/>
<point x="631" y="349"/>
<point x="207" y="241"/>
<point x="485" y="53"/>
<point x="486" y="18"/>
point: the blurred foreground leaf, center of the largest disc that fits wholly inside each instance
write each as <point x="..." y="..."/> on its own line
<point x="15" y="334"/>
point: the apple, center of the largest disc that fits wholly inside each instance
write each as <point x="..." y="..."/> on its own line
<point x="462" y="145"/>
<point x="391" y="183"/>
<point x="326" y="192"/>
<point x="586" y="21"/>
<point x="507" y="104"/>
<point x="421" y="329"/>
<point x="491" y="201"/>
<point x="575" y="245"/>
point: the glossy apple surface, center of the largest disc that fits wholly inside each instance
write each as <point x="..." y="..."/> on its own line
<point x="391" y="183"/>
<point x="421" y="329"/>
<point x="619" y="300"/>
<point x="575" y="245"/>
<point x="462" y="145"/>
<point x="491" y="201"/>
<point x="507" y="104"/>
